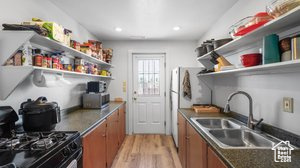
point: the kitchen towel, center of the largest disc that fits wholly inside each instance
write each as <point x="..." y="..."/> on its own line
<point x="187" y="85"/>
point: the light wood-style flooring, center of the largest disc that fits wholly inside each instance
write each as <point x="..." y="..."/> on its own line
<point x="147" y="151"/>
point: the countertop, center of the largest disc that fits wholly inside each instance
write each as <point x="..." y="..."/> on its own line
<point x="241" y="158"/>
<point x="83" y="120"/>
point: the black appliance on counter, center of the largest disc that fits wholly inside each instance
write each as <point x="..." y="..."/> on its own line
<point x="8" y="117"/>
<point x="96" y="87"/>
<point x="41" y="149"/>
<point x="39" y="115"/>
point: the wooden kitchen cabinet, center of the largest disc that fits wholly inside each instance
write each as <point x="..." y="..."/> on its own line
<point x="94" y="147"/>
<point x="182" y="140"/>
<point x="196" y="149"/>
<point x="112" y="137"/>
<point x="122" y="126"/>
<point x="101" y="144"/>
<point x="193" y="151"/>
<point x="214" y="161"/>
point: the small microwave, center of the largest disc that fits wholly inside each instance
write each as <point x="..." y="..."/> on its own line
<point x="96" y="100"/>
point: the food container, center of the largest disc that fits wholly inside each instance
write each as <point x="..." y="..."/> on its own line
<point x="219" y="43"/>
<point x="277" y="8"/>
<point x="56" y="31"/>
<point x="49" y="62"/>
<point x="86" y="48"/>
<point x="74" y="44"/>
<point x="249" y="24"/>
<point x="67" y="37"/>
<point x="79" y="65"/>
<point x="38" y="58"/>
<point x="18" y="58"/>
<point x="249" y="60"/>
<point x="27" y="54"/>
<point x="200" y="51"/>
<point x="45" y="62"/>
<point x="296" y="47"/>
<point x="55" y="62"/>
<point x="68" y="67"/>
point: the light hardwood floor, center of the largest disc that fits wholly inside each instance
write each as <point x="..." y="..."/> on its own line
<point x="147" y="151"/>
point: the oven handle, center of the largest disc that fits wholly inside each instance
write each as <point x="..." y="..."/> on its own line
<point x="79" y="155"/>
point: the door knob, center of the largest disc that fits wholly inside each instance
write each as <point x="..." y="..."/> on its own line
<point x="134" y="98"/>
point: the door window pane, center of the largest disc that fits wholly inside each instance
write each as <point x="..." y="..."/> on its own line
<point x="148" y="77"/>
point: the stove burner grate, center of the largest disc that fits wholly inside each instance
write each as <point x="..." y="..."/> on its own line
<point x="32" y="141"/>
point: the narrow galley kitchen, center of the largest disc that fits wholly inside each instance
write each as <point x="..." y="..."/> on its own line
<point x="149" y="84"/>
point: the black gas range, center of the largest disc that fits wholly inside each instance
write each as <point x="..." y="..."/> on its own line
<point x="41" y="149"/>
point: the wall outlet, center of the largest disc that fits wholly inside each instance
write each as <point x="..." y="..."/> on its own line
<point x="288" y="104"/>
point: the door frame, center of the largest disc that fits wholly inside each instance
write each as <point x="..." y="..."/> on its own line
<point x="130" y="87"/>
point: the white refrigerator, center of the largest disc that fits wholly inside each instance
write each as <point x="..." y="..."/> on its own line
<point x="201" y="94"/>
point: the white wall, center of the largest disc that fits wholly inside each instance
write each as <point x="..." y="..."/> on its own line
<point x="266" y="90"/>
<point x="179" y="53"/>
<point x="16" y="11"/>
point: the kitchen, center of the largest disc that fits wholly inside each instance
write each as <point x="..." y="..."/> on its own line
<point x="145" y="83"/>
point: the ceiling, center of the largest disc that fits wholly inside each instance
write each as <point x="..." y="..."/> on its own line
<point x="152" y="19"/>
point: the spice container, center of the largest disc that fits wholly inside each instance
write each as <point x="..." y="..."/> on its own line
<point x="45" y="61"/>
<point x="38" y="58"/>
<point x="55" y="62"/>
<point x="49" y="62"/>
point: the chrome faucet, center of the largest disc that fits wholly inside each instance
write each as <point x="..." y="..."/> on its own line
<point x="251" y="123"/>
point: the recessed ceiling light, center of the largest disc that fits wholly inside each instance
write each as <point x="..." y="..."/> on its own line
<point x="118" y="29"/>
<point x="176" y="28"/>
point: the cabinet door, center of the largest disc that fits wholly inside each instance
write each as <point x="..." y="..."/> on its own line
<point x="214" y="161"/>
<point x="122" y="126"/>
<point x="112" y="137"/>
<point x="182" y="140"/>
<point x="196" y="149"/>
<point x="94" y="147"/>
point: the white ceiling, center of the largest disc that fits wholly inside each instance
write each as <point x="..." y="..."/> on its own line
<point x="153" y="19"/>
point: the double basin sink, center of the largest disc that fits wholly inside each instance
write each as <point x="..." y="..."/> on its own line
<point x="230" y="133"/>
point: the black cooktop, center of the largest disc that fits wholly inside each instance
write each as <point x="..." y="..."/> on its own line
<point x="32" y="149"/>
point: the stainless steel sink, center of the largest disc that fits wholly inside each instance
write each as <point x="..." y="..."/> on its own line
<point x="232" y="134"/>
<point x="217" y="123"/>
<point x="240" y="138"/>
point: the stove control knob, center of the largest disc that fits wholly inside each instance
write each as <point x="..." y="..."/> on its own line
<point x="66" y="152"/>
<point x="73" y="146"/>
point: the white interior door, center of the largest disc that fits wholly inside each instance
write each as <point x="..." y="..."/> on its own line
<point x="149" y="93"/>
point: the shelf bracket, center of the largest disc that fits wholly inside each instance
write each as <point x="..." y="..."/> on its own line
<point x="11" y="77"/>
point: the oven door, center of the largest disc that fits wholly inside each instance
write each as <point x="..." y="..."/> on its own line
<point x="74" y="161"/>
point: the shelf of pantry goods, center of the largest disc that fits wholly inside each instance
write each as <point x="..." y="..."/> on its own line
<point x="58" y="71"/>
<point x="46" y="42"/>
<point x="284" y="22"/>
<point x="274" y="68"/>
